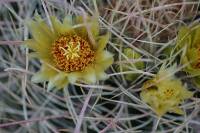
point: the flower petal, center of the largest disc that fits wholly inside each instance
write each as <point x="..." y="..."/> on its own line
<point x="89" y="75"/>
<point x="184" y="37"/>
<point x="41" y="48"/>
<point x="81" y="29"/>
<point x="44" y="74"/>
<point x="92" y="23"/>
<point x="106" y="63"/>
<point x="59" y="81"/>
<point x="40" y="32"/>
<point x="73" y="76"/>
<point x="177" y="110"/>
<point x="32" y="44"/>
<point x="47" y="58"/>
<point x="60" y="28"/>
<point x="104" y="59"/>
<point x="44" y="26"/>
<point x="196" y="34"/>
<point x="68" y="20"/>
<point x="103" y="55"/>
<point x="56" y="25"/>
<point x="100" y="74"/>
<point x="94" y="26"/>
<point x="102" y="41"/>
<point x="186" y="94"/>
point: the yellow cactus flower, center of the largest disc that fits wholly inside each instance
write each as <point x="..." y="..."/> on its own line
<point x="130" y="55"/>
<point x="189" y="40"/>
<point x="70" y="51"/>
<point x="164" y="93"/>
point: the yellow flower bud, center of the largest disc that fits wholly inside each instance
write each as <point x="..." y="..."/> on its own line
<point x="189" y="41"/>
<point x="164" y="93"/>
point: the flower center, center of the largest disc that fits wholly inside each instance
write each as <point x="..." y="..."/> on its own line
<point x="169" y="93"/>
<point x="72" y="53"/>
